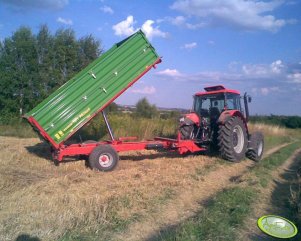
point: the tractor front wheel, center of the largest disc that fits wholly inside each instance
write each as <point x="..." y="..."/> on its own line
<point x="103" y="158"/>
<point x="256" y="146"/>
<point x="232" y="139"/>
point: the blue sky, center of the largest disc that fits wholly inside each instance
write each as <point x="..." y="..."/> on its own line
<point x="252" y="46"/>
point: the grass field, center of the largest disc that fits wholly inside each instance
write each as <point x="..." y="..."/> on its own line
<point x="149" y="191"/>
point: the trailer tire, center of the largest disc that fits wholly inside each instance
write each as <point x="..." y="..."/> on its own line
<point x="232" y="139"/>
<point x="256" y="146"/>
<point x="103" y="158"/>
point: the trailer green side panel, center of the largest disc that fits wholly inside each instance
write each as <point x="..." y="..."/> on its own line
<point x="72" y="105"/>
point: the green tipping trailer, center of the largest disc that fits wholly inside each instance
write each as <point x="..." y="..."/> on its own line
<point x="75" y="103"/>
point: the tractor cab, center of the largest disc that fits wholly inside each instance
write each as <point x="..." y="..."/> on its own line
<point x="216" y="100"/>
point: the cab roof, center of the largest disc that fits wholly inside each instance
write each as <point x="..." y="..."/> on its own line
<point x="216" y="90"/>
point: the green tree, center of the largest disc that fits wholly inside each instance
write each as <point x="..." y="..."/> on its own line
<point x="88" y="49"/>
<point x="293" y="122"/>
<point x="65" y="56"/>
<point x="112" y="108"/>
<point x="45" y="57"/>
<point x="19" y="71"/>
<point x="33" y="66"/>
<point x="145" y="109"/>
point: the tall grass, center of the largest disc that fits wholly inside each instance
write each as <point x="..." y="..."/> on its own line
<point x="20" y="129"/>
<point x="273" y="135"/>
<point x="127" y="125"/>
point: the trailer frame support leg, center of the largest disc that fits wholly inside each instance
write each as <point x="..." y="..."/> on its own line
<point x="108" y="125"/>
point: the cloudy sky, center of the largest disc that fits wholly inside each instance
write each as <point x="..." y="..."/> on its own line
<point x="249" y="45"/>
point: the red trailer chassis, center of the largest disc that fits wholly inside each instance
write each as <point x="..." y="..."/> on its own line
<point x="126" y="144"/>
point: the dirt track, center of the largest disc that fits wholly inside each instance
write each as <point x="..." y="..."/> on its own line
<point x="42" y="200"/>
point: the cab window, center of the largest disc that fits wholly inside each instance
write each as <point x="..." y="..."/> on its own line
<point x="233" y="101"/>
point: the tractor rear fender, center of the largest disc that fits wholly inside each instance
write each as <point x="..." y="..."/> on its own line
<point x="226" y="115"/>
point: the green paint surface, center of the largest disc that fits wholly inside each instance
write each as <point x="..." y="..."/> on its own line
<point x="72" y="105"/>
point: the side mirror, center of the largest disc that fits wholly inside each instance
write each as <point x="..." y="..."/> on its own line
<point x="249" y="99"/>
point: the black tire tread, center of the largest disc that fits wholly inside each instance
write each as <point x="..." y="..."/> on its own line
<point x="252" y="152"/>
<point x="225" y="139"/>
<point x="94" y="156"/>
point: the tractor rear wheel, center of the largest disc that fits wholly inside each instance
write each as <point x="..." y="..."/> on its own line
<point x="103" y="158"/>
<point x="232" y="139"/>
<point x="256" y="146"/>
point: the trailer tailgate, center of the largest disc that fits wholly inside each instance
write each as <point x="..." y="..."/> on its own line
<point x="76" y="102"/>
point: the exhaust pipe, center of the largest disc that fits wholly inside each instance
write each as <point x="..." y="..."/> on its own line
<point x="246" y="100"/>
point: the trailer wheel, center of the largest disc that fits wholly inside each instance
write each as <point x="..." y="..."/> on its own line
<point x="232" y="139"/>
<point x="103" y="158"/>
<point x="256" y="146"/>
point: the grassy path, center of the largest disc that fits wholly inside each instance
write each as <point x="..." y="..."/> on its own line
<point x="189" y="201"/>
<point x="274" y="199"/>
<point x="224" y="215"/>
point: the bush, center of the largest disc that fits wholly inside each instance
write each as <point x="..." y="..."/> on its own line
<point x="145" y="109"/>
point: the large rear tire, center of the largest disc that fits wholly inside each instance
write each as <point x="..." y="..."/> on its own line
<point x="103" y="158"/>
<point x="256" y="146"/>
<point x="232" y="139"/>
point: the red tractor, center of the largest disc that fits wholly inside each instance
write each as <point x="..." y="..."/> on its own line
<point x="219" y="122"/>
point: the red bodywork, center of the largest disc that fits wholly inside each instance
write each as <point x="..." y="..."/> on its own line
<point x="127" y="143"/>
<point x="216" y="90"/>
<point x="194" y="117"/>
<point x="182" y="146"/>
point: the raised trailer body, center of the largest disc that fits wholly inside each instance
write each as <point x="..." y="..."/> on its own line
<point x="75" y="103"/>
<point x="89" y="92"/>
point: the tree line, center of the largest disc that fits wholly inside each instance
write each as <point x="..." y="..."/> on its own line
<point x="292" y="122"/>
<point x="34" y="65"/>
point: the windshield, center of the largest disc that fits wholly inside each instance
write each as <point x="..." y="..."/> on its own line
<point x="206" y="105"/>
<point x="233" y="101"/>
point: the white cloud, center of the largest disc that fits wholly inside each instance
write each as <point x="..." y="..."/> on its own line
<point x="264" y="70"/>
<point x="125" y="27"/>
<point x="265" y="90"/>
<point x="277" y="66"/>
<point x="181" y="21"/>
<point x="147" y="90"/>
<point x="64" y="21"/>
<point x="169" y="72"/>
<point x="196" y="26"/>
<point x="294" y="78"/>
<point x="247" y="15"/>
<point x="107" y="9"/>
<point x="262" y="79"/>
<point x="190" y="45"/>
<point x="178" y="21"/>
<point x="150" y="31"/>
<point x="255" y="70"/>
